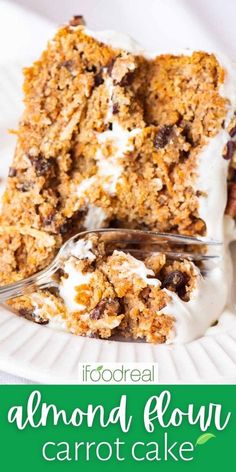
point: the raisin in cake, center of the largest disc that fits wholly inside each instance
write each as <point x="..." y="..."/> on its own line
<point x="114" y="137"/>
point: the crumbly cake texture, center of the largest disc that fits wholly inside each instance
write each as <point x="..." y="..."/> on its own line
<point x="101" y="295"/>
<point x="108" y="138"/>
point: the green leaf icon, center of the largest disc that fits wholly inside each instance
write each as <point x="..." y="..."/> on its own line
<point x="204" y="438"/>
<point x="100" y="367"/>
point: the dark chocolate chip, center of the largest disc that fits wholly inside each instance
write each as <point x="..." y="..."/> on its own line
<point x="230" y="148"/>
<point x="232" y="132"/>
<point x="186" y="132"/>
<point x="40" y="320"/>
<point x="127" y="79"/>
<point x="93" y="335"/>
<point x="24" y="187"/>
<point x="215" y="323"/>
<point x="184" y="155"/>
<point x="68" y="65"/>
<point x="115" y="108"/>
<point x="77" y="20"/>
<point x="233" y="176"/>
<point x="145" y="293"/>
<point x="163" y="136"/>
<point x="98" y="311"/>
<point x="112" y="306"/>
<point x="30" y="315"/>
<point x="110" y="66"/>
<point x="12" y="172"/>
<point x="47" y="221"/>
<point x="54" y="291"/>
<point x="71" y="224"/>
<point x="42" y="165"/>
<point x="231" y="203"/>
<point x="98" y="80"/>
<point x="115" y="223"/>
<point x="60" y="273"/>
<point x="91" y="69"/>
<point x="110" y="126"/>
<point x="26" y="312"/>
<point x="65" y="227"/>
<point x="176" y="281"/>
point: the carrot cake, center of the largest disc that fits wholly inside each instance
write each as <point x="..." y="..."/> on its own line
<point x="112" y="136"/>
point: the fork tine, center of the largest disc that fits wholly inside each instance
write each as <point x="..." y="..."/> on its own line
<point x="133" y="234"/>
<point x="170" y="254"/>
<point x="162" y="243"/>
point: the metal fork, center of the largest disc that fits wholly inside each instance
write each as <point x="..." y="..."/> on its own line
<point x="140" y="244"/>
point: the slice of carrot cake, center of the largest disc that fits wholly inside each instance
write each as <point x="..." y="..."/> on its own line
<point x="114" y="137"/>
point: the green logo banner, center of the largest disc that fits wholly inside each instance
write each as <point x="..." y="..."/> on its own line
<point x="106" y="428"/>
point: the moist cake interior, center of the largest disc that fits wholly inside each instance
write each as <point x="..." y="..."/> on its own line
<point x="110" y="138"/>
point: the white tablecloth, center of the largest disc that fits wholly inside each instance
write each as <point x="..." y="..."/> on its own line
<point x="157" y="24"/>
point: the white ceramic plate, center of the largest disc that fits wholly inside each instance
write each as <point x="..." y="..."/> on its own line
<point x="42" y="354"/>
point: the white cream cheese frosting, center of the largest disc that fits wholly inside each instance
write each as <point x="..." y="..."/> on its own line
<point x="116" y="40"/>
<point x="109" y="168"/>
<point x="44" y="308"/>
<point x="132" y="266"/>
<point x="82" y="249"/>
<point x="212" y="165"/>
<point x="207" y="302"/>
<point x="70" y="284"/>
<point x="95" y="218"/>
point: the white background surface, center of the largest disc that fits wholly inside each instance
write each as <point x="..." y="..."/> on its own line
<point x="157" y="24"/>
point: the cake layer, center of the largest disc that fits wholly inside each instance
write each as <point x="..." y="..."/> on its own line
<point x="112" y="137"/>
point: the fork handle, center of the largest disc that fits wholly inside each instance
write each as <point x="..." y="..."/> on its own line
<point x="38" y="281"/>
